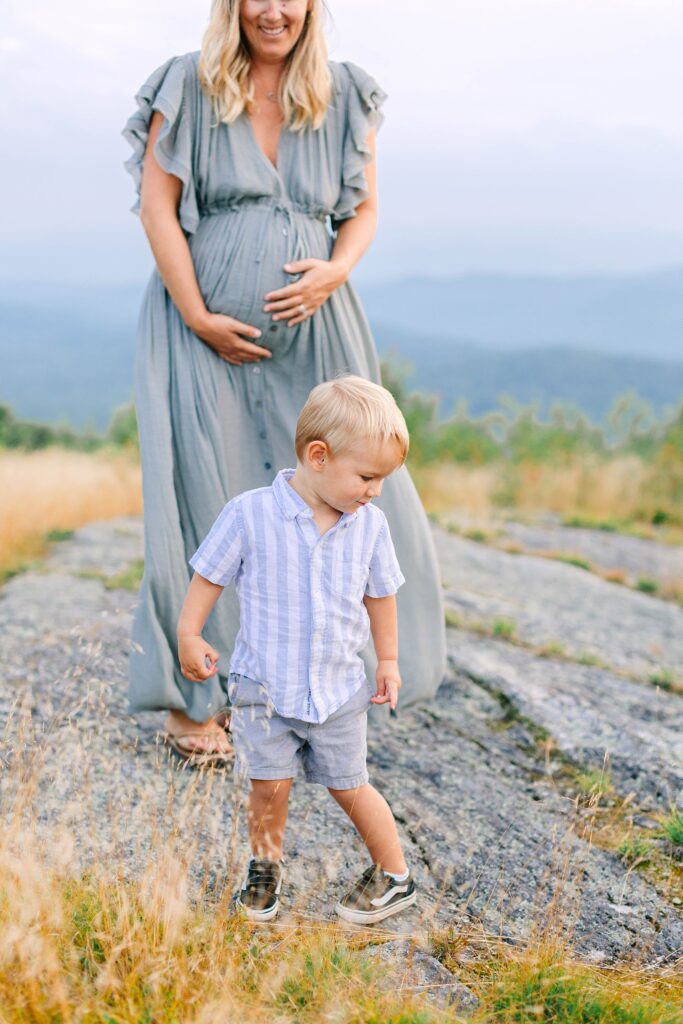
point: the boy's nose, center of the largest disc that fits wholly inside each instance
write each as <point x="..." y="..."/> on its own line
<point x="375" y="490"/>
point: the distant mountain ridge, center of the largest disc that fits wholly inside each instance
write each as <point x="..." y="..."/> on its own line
<point x="458" y="370"/>
<point x="636" y="315"/>
<point x="69" y="356"/>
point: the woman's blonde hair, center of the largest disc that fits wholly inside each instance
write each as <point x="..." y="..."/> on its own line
<point x="348" y="411"/>
<point x="225" y="66"/>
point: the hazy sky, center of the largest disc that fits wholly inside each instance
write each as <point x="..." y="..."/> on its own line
<point x="520" y="134"/>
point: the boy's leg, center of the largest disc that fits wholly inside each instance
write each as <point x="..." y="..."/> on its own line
<point x="268" y="806"/>
<point x="371" y="814"/>
<point x="259" y="896"/>
<point x="386" y="887"/>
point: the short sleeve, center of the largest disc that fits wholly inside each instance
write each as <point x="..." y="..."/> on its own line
<point x="219" y="556"/>
<point x="385" y="573"/>
<point x="171" y="90"/>
<point x="364" y="99"/>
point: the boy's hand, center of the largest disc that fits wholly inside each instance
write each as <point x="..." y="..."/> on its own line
<point x="198" y="660"/>
<point x="388" y="681"/>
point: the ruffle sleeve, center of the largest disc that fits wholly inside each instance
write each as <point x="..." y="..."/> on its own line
<point x="169" y="90"/>
<point x="363" y="114"/>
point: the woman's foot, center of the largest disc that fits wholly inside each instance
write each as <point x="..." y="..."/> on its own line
<point x="190" y="737"/>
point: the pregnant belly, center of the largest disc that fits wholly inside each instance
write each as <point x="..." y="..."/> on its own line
<point x="240" y="255"/>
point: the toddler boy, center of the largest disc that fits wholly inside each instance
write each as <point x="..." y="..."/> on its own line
<point x="315" y="572"/>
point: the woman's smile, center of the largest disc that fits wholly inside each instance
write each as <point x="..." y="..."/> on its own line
<point x="270" y="31"/>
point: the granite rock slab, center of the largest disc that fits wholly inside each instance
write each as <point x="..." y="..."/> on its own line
<point x="489" y="836"/>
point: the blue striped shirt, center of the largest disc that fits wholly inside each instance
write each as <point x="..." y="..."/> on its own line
<point x="302" y="617"/>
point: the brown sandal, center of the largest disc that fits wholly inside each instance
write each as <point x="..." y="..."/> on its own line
<point x="193" y="758"/>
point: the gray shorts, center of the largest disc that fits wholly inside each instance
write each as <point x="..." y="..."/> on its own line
<point x="268" y="746"/>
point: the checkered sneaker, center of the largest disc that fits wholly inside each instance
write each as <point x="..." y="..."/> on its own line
<point x="375" y="896"/>
<point x="259" y="896"/>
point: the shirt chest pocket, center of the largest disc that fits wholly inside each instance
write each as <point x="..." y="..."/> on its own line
<point x="348" y="579"/>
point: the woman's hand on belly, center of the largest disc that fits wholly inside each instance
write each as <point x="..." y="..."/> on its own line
<point x="227" y="337"/>
<point x="296" y="302"/>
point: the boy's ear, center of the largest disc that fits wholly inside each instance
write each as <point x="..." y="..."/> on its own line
<point x="317" y="454"/>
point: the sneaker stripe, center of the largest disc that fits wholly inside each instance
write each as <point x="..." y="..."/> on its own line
<point x="381" y="901"/>
<point x="372" y="916"/>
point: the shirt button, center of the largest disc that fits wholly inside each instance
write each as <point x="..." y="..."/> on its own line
<point x="262" y="435"/>
<point x="285" y="232"/>
<point x="256" y="369"/>
<point x="258" y="403"/>
<point x="273" y="327"/>
<point x="266" y="465"/>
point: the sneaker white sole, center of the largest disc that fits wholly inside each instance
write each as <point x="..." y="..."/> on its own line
<point x="259" y="915"/>
<point x="371" y="916"/>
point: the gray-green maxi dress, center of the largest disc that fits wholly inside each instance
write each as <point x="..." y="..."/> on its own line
<point x="208" y="429"/>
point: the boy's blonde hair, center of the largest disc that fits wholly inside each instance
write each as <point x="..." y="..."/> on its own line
<point x="349" y="410"/>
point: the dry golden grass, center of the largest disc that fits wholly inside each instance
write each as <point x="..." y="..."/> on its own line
<point x="590" y="488"/>
<point x="56" y="489"/>
<point x="102" y="948"/>
<point x="103" y="942"/>
<point x="445" y="487"/>
<point x="106" y="920"/>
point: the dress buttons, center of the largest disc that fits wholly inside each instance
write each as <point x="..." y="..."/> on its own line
<point x="258" y="403"/>
<point x="262" y="435"/>
<point x="285" y="232"/>
<point x="256" y="369"/>
<point x="266" y="465"/>
<point x="273" y="327"/>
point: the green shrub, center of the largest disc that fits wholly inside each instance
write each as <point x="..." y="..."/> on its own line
<point x="467" y="441"/>
<point x="504" y="628"/>
<point x="553" y="994"/>
<point x="672" y="827"/>
<point x="123" y="428"/>
<point x="16" y="433"/>
<point x="576" y="560"/>
<point x="129" y="579"/>
<point x="55" y="536"/>
<point x="594" y="782"/>
<point x="566" y="435"/>
<point x="663" y="678"/>
<point x="635" y="849"/>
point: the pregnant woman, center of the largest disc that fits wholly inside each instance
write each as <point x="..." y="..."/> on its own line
<point x="254" y="161"/>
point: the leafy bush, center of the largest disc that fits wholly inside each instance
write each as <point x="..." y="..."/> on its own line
<point x="553" y="993"/>
<point x="567" y="435"/>
<point x="123" y="428"/>
<point x="122" y="433"/>
<point x="635" y="850"/>
<point x="16" y="433"/>
<point x="672" y="827"/>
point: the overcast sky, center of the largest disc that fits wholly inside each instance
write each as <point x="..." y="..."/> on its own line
<point x="520" y="134"/>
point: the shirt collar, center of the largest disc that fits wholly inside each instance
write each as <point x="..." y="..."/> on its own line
<point x="291" y="503"/>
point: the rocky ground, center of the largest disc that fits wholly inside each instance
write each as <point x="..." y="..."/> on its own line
<point x="634" y="561"/>
<point x="554" y="674"/>
<point x="638" y="559"/>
